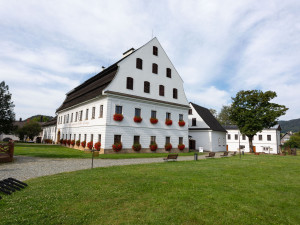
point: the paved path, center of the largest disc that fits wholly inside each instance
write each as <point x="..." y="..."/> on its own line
<point x="25" y="167"/>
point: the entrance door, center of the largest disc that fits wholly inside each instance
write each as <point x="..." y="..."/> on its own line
<point x="254" y="149"/>
<point x="58" y="136"/>
<point x="227" y="148"/>
<point x="192" y="144"/>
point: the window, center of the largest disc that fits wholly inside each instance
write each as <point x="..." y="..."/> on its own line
<point x="80" y="115"/>
<point x="70" y="136"/>
<point x="269" y="137"/>
<point x="175" y="93"/>
<point x="129" y="84"/>
<point x="161" y="90"/>
<point x="64" y="118"/>
<point x="117" y="139"/>
<point x="99" y="138"/>
<point x="228" y="136"/>
<point x="190" y="112"/>
<point x="101" y="111"/>
<point x="68" y="118"/>
<point x="137" y="112"/>
<point x="169" y="72"/>
<point x="76" y="116"/>
<point x="180" y="117"/>
<point x="79" y="137"/>
<point x="168" y="116"/>
<point x="153" y="114"/>
<point x="153" y="139"/>
<point x="154" y="68"/>
<point x="260" y="137"/>
<point x="63" y="136"/>
<point x="219" y="141"/>
<point x="168" y="140"/>
<point x="71" y="118"/>
<point x="92" y="138"/>
<point x="136" y="139"/>
<point x="244" y="137"/>
<point x="87" y="114"/>
<point x="139" y="63"/>
<point x="194" y="122"/>
<point x="155" y="50"/>
<point x="147" y="87"/>
<point x="180" y="140"/>
<point x="75" y="137"/>
<point x="85" y="137"/>
<point x="93" y="112"/>
<point x="236" y="137"/>
<point x="118" y="109"/>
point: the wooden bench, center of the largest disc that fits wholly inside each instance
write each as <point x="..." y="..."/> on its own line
<point x="171" y="157"/>
<point x="211" y="155"/>
<point x="6" y="152"/>
<point x="225" y="154"/>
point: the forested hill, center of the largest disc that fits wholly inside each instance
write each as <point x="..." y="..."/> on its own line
<point x="290" y="125"/>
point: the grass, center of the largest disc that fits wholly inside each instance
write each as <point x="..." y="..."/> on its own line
<point x="262" y="189"/>
<point x="57" y="151"/>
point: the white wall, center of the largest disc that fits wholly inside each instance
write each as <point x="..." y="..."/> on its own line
<point x="49" y="132"/>
<point x="199" y="121"/>
<point x="218" y="141"/>
<point x="202" y="139"/>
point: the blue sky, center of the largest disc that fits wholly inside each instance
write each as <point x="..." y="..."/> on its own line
<point x="218" y="47"/>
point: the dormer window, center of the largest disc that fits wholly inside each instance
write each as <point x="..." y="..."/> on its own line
<point x="155" y="50"/>
<point x="154" y="68"/>
<point x="139" y="63"/>
<point x="129" y="83"/>
<point x="169" y="72"/>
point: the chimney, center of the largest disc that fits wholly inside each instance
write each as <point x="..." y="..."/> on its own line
<point x="103" y="68"/>
<point x="20" y="119"/>
<point x="128" y="52"/>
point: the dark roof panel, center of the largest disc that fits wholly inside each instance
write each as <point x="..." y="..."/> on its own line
<point x="208" y="118"/>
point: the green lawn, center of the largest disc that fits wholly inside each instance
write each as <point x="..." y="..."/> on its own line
<point x="262" y="189"/>
<point x="57" y="151"/>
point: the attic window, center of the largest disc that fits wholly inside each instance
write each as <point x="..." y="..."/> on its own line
<point x="175" y="95"/>
<point x="129" y="84"/>
<point x="194" y="122"/>
<point x="147" y="87"/>
<point x="154" y="68"/>
<point x="155" y="50"/>
<point x="139" y="63"/>
<point x="190" y="112"/>
<point x="169" y="72"/>
<point x="161" y="90"/>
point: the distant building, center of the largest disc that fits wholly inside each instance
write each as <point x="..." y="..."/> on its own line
<point x="268" y="140"/>
<point x="49" y="130"/>
<point x="205" y="130"/>
<point x="286" y="137"/>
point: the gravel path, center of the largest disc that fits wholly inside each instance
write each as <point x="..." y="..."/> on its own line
<point x="25" y="167"/>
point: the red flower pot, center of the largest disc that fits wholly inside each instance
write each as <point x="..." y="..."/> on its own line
<point x="78" y="143"/>
<point x="136" y="147"/>
<point x="83" y="144"/>
<point x="118" y="117"/>
<point x="117" y="147"/>
<point x="153" y="147"/>
<point x="90" y="145"/>
<point x="97" y="146"/>
<point x="137" y="119"/>
<point x="73" y="142"/>
<point x="153" y="120"/>
<point x="181" y="123"/>
<point x="181" y="146"/>
<point x="168" y="147"/>
<point x="168" y="122"/>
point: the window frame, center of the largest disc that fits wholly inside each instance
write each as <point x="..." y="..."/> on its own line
<point x="154" y="68"/>
<point x="194" y="122"/>
<point x="129" y="83"/>
<point x="155" y="51"/>
<point x="101" y="111"/>
<point x="152" y="113"/>
<point x="175" y="93"/>
<point x="118" y="107"/>
<point x="139" y="63"/>
<point x="168" y="72"/>
<point x="147" y="87"/>
<point x="161" y="90"/>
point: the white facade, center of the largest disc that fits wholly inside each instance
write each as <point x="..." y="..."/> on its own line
<point x="49" y="132"/>
<point x="268" y="141"/>
<point x="206" y="134"/>
<point x="103" y="128"/>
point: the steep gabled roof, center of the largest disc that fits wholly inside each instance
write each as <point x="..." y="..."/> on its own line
<point x="50" y="122"/>
<point x="208" y="118"/>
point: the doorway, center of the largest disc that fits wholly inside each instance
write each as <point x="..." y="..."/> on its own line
<point x="192" y="144"/>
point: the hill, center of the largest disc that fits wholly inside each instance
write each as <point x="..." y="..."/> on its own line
<point x="290" y="125"/>
<point x="38" y="118"/>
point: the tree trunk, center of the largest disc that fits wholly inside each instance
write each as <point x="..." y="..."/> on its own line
<point x="251" y="144"/>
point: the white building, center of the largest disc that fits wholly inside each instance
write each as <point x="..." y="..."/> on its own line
<point x="205" y="131"/>
<point x="143" y="83"/>
<point x="268" y="140"/>
<point x="49" y="130"/>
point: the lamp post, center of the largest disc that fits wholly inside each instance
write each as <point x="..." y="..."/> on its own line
<point x="93" y="149"/>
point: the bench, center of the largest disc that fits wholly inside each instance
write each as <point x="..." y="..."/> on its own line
<point x="211" y="155"/>
<point x="171" y="157"/>
<point x="6" y="152"/>
<point x="225" y="154"/>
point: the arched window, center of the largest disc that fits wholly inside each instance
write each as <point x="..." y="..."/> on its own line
<point x="169" y="72"/>
<point x="175" y="94"/>
<point x="161" y="90"/>
<point x="155" y="50"/>
<point x="129" y="83"/>
<point x="139" y="63"/>
<point x="154" y="68"/>
<point x="147" y="87"/>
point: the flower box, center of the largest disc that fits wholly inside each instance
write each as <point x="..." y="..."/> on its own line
<point x="136" y="147"/>
<point x="168" y="147"/>
<point x="168" y="122"/>
<point x="153" y="147"/>
<point x="83" y="144"/>
<point x="64" y="142"/>
<point x="118" y="117"/>
<point x="90" y="145"/>
<point x="137" y="119"/>
<point x="68" y="142"/>
<point x="77" y="143"/>
<point x="181" y="146"/>
<point x="117" y="147"/>
<point x="73" y="142"/>
<point x="181" y="123"/>
<point x="153" y="120"/>
<point x="97" y="146"/>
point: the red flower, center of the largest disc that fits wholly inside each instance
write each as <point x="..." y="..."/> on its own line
<point x="137" y="119"/>
<point x="181" y="146"/>
<point x="168" y="147"/>
<point x="90" y="145"/>
<point x="136" y="147"/>
<point x="153" y="147"/>
<point x="64" y="142"/>
<point x="97" y="146"/>
<point x="118" y="117"/>
<point x="68" y="142"/>
<point x="73" y="142"/>
<point x="168" y="122"/>
<point x="181" y="123"/>
<point x="117" y="147"/>
<point x="83" y="143"/>
<point x="153" y="120"/>
<point x="77" y="142"/>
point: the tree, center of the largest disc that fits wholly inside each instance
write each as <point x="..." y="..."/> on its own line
<point x="7" y="115"/>
<point x="224" y="116"/>
<point x="214" y="112"/>
<point x="294" y="141"/>
<point x="30" y="129"/>
<point x="252" y="111"/>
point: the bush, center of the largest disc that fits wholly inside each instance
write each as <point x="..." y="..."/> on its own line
<point x="97" y="146"/>
<point x="118" y="117"/>
<point x="168" y="147"/>
<point x="136" y="147"/>
<point x="83" y="144"/>
<point x="117" y="147"/>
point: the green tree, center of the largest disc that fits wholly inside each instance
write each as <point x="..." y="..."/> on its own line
<point x="7" y="115"/>
<point x="214" y="112"/>
<point x="294" y="141"/>
<point x="252" y="111"/>
<point x="31" y="129"/>
<point x="224" y="116"/>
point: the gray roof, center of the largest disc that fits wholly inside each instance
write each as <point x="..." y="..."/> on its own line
<point x="208" y="118"/>
<point x="235" y="127"/>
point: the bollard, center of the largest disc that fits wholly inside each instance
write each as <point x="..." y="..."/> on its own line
<point x="243" y="152"/>
<point x="195" y="156"/>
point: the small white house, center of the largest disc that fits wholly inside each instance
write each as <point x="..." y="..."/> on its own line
<point x="268" y="140"/>
<point x="205" y="131"/>
<point x="49" y="130"/>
